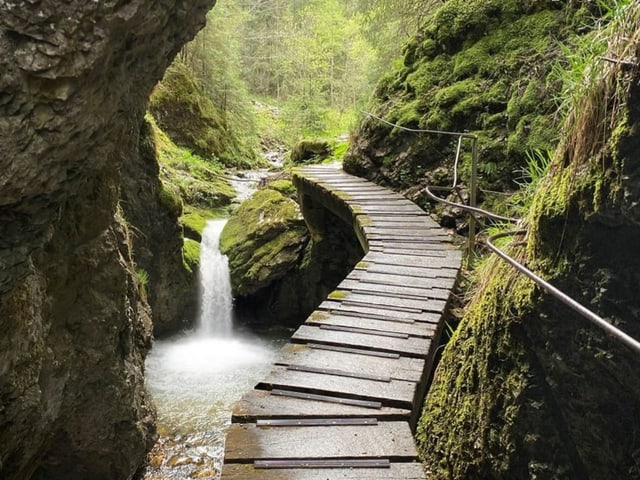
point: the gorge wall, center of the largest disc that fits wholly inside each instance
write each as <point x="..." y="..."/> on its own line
<point x="74" y="80"/>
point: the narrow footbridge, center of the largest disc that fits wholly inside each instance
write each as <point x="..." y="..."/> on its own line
<point x="343" y="397"/>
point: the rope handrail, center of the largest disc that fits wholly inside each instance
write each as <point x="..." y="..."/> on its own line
<point x="609" y="329"/>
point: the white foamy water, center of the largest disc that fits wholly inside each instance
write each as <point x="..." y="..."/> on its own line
<point x="216" y="304"/>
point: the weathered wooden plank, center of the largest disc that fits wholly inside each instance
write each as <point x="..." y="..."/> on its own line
<point x="412" y="346"/>
<point x="261" y="404"/>
<point x="396" y="471"/>
<point x="324" y="463"/>
<point x="424" y="250"/>
<point x="452" y="260"/>
<point x="396" y="393"/>
<point x="413" y="328"/>
<point x="403" y="304"/>
<point x="431" y="280"/>
<point x="403" y="291"/>
<point x="402" y="368"/>
<point x="386" y="268"/>
<point x="392" y="440"/>
<point x="378" y="312"/>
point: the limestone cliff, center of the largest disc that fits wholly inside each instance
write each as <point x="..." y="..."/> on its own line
<point x="74" y="79"/>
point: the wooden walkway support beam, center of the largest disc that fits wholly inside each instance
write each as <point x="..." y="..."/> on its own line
<point x="344" y="395"/>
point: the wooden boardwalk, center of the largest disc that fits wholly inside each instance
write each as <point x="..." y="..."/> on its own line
<point x="344" y="395"/>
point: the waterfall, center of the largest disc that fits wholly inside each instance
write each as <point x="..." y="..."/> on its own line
<point x="216" y="307"/>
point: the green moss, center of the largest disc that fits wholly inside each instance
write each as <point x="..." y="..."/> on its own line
<point x="170" y="200"/>
<point x="191" y="255"/>
<point x="470" y="69"/>
<point x="338" y="295"/>
<point x="285" y="187"/>
<point x="192" y="121"/>
<point x="264" y="239"/>
<point x="310" y="151"/>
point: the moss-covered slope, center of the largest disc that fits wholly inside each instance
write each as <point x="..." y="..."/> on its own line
<point x="482" y="66"/>
<point x="528" y="389"/>
<point x="193" y="121"/>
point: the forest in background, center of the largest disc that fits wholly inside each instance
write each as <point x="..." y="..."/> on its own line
<point x="273" y="71"/>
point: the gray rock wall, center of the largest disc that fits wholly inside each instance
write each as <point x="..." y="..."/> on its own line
<point x="74" y="79"/>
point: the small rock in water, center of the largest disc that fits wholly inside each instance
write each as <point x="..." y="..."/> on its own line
<point x="179" y="461"/>
<point x="204" y="473"/>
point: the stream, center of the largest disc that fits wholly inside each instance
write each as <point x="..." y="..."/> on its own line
<point x="196" y="377"/>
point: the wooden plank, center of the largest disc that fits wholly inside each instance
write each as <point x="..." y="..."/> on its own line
<point x="298" y="463"/>
<point x="400" y="368"/>
<point x="425" y="250"/>
<point x="315" y="422"/>
<point x="392" y="440"/>
<point x="432" y="280"/>
<point x="396" y="393"/>
<point x="261" y="404"/>
<point x="412" y="328"/>
<point x="338" y="372"/>
<point x="413" y="346"/>
<point x="378" y="312"/>
<point x="453" y="260"/>
<point x="396" y="471"/>
<point x="323" y="397"/>
<point x="364" y="330"/>
<point x="406" y="291"/>
<point x="406" y="270"/>
<point x="402" y="304"/>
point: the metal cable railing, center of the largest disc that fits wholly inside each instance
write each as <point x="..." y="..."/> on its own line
<point x="473" y="186"/>
<point x="608" y="328"/>
<point x="611" y="330"/>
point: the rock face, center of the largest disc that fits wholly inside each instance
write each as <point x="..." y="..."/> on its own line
<point x="527" y="388"/>
<point x="470" y="69"/>
<point x="74" y="79"/>
<point x="153" y="210"/>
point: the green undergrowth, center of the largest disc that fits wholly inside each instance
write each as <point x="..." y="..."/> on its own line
<point x="193" y="189"/>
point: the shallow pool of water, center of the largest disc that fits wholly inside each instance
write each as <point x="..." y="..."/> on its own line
<point x="195" y="380"/>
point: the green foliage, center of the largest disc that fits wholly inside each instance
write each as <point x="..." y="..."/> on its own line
<point x="203" y="102"/>
<point x="199" y="183"/>
<point x="143" y="280"/>
<point x="310" y="58"/>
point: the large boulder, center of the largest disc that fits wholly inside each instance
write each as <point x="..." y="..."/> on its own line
<point x="264" y="240"/>
<point x="74" y="80"/>
<point x="278" y="274"/>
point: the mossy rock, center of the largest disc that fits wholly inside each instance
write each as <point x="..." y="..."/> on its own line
<point x="470" y="69"/>
<point x="264" y="240"/>
<point x="170" y="200"/>
<point x="310" y="151"/>
<point x="285" y="187"/>
<point x="191" y="255"/>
